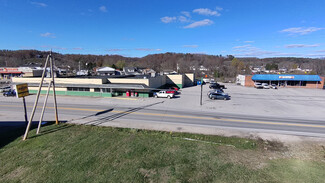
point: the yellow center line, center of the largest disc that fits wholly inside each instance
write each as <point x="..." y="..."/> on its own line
<point x="187" y="117"/>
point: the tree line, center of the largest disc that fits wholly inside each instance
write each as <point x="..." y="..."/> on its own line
<point x="218" y="65"/>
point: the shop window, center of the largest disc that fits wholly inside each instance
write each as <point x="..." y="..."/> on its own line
<point x="97" y="89"/>
<point x="106" y="90"/>
<point x="77" y="89"/>
<point x="293" y="83"/>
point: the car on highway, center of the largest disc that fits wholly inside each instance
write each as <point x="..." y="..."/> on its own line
<point x="11" y="93"/>
<point x="258" y="86"/>
<point x="5" y="89"/>
<point x="219" y="96"/>
<point x="163" y="94"/>
<point x="217" y="86"/>
<point x="265" y="86"/>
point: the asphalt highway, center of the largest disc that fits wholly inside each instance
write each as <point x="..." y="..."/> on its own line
<point x="105" y="115"/>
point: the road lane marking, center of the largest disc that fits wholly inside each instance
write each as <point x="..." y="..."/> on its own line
<point x="186" y="117"/>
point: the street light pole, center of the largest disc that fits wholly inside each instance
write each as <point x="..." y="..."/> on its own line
<point x="201" y="91"/>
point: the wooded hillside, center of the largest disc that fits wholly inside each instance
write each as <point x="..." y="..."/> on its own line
<point x="217" y="65"/>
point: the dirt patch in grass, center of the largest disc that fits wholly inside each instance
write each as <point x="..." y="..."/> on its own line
<point x="273" y="150"/>
<point x="19" y="172"/>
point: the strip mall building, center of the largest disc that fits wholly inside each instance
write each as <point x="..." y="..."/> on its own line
<point x="285" y="80"/>
<point x="141" y="86"/>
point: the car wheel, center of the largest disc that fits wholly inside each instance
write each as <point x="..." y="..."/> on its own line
<point x="168" y="97"/>
<point x="156" y="96"/>
<point x="224" y="98"/>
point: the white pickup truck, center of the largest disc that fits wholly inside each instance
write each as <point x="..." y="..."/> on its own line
<point x="163" y="94"/>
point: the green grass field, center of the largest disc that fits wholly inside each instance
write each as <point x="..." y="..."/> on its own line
<point x="72" y="153"/>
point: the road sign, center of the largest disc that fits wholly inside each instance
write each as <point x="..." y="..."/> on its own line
<point x="22" y="90"/>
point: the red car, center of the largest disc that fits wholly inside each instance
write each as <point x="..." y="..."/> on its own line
<point x="171" y="91"/>
<point x="174" y="88"/>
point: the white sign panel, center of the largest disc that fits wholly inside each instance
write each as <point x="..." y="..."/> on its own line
<point x="286" y="77"/>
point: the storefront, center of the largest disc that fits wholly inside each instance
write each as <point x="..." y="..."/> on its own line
<point x="284" y="80"/>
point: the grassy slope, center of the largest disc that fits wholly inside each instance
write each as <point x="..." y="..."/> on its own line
<point x="69" y="153"/>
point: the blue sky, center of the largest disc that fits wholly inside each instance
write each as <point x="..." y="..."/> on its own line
<point x="136" y="28"/>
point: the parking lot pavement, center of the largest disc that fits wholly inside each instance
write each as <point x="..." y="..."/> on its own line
<point x="284" y="102"/>
<point x="297" y="103"/>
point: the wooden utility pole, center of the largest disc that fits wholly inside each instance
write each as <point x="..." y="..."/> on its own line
<point x="51" y="83"/>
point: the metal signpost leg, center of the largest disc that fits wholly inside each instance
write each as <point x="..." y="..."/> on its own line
<point x="26" y="121"/>
<point x="201" y="94"/>
<point x="36" y="101"/>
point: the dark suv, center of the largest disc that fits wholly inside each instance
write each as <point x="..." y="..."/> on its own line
<point x="217" y="86"/>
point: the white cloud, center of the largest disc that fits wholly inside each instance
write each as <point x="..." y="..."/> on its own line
<point x="263" y="53"/>
<point x="219" y="8"/>
<point x="301" y="30"/>
<point x="77" y="48"/>
<point x="201" y="23"/>
<point x="167" y="19"/>
<point x="243" y="46"/>
<point x="47" y="34"/>
<point x="39" y="4"/>
<point x="103" y="9"/>
<point x="207" y="12"/>
<point x="251" y="51"/>
<point x="301" y="45"/>
<point x="190" y="46"/>
<point x="54" y="47"/>
<point x="316" y="55"/>
<point x="249" y="41"/>
<point x="183" y="19"/>
<point x="186" y="13"/>
<point x="320" y="51"/>
<point x="116" y="50"/>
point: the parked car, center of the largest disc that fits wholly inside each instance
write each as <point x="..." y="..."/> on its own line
<point x="258" y="86"/>
<point x="215" y="91"/>
<point x="217" y="86"/>
<point x="171" y="91"/>
<point x="11" y="93"/>
<point x="265" y="86"/>
<point x="206" y="80"/>
<point x="174" y="88"/>
<point x="274" y="86"/>
<point x="5" y="89"/>
<point x="219" y="96"/>
<point x="163" y="94"/>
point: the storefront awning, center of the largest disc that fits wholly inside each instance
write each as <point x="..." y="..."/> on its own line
<point x="281" y="77"/>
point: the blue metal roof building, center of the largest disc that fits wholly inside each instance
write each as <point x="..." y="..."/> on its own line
<point x="285" y="77"/>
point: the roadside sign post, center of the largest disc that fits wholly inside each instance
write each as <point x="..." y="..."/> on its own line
<point x="51" y="83"/>
<point x="21" y="92"/>
<point x="26" y="120"/>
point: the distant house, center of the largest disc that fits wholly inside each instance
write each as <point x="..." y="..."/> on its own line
<point x="202" y="68"/>
<point x="82" y="73"/>
<point x="132" y="71"/>
<point x="105" y="71"/>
